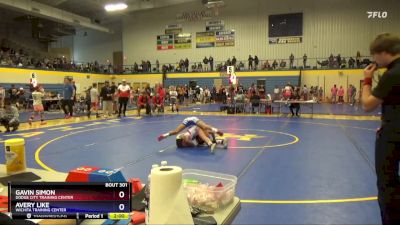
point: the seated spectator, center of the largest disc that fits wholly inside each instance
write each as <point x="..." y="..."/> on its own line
<point x="9" y="117"/>
<point x="343" y="63"/>
<point x="282" y="64"/>
<point x="266" y="66"/>
<point x="351" y="62"/>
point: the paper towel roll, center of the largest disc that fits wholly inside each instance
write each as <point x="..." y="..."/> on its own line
<point x="168" y="200"/>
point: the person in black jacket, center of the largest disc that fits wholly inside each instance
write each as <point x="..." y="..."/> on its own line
<point x="250" y="62"/>
<point x="106" y="97"/>
<point x="385" y="50"/>
<point x="295" y="106"/>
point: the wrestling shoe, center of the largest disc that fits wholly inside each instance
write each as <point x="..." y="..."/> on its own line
<point x="212" y="148"/>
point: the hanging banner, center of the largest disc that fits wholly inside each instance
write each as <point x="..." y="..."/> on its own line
<point x="215" y="25"/>
<point x="285" y="40"/>
<point x="165" y="42"/>
<point x="173" y="29"/>
<point x="205" y="39"/>
<point x="225" y="38"/>
<point x="194" y="16"/>
<point x="182" y="41"/>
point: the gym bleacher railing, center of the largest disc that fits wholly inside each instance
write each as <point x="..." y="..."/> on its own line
<point x="218" y="66"/>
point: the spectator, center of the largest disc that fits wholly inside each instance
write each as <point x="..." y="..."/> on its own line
<point x="266" y="65"/>
<point x="295" y="106"/>
<point x="353" y="94"/>
<point x="341" y="95"/>
<point x="320" y="94"/>
<point x="187" y="65"/>
<point x="106" y="97"/>
<point x="334" y="92"/>
<point x="305" y="93"/>
<point x="68" y="98"/>
<point x="358" y="59"/>
<point x="234" y="61"/>
<point x="256" y="62"/>
<point x="157" y="66"/>
<point x="304" y="61"/>
<point x="339" y="60"/>
<point x="343" y="63"/>
<point x="250" y="62"/>
<point x="282" y="64"/>
<point x="205" y="62"/>
<point x="351" y="62"/>
<point x="2" y="96"/>
<point x="13" y="93"/>
<point x="211" y="61"/>
<point x="274" y="64"/>
<point x="9" y="118"/>
<point x="276" y="93"/>
<point x="291" y="59"/>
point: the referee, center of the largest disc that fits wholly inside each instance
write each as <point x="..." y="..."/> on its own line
<point x="385" y="50"/>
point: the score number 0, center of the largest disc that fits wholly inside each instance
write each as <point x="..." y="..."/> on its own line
<point x="121" y="207"/>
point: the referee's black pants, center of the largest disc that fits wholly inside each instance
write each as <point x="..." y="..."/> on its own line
<point x="123" y="102"/>
<point x="387" y="158"/>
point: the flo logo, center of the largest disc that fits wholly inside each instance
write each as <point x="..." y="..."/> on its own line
<point x="377" y="14"/>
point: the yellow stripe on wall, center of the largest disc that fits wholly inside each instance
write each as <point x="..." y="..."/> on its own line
<point x="336" y="72"/>
<point x="238" y="74"/>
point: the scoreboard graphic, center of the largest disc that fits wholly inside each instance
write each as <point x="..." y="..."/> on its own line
<point x="61" y="200"/>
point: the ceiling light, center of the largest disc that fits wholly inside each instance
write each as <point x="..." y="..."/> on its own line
<point x="115" y="7"/>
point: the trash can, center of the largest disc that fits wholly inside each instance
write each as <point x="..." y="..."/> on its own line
<point x="15" y="155"/>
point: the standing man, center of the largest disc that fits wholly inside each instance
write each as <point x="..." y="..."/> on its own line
<point x="385" y="50"/>
<point x="68" y="98"/>
<point x="205" y="62"/>
<point x="291" y="59"/>
<point x="211" y="61"/>
<point x="251" y="59"/>
<point x="304" y="61"/>
<point x="106" y="96"/>
<point x="124" y="92"/>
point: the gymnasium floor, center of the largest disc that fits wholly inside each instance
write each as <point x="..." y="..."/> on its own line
<point x="290" y="170"/>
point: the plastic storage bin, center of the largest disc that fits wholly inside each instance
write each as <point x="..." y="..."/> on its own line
<point x="207" y="190"/>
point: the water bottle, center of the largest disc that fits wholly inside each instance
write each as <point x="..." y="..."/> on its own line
<point x="147" y="200"/>
<point x="147" y="196"/>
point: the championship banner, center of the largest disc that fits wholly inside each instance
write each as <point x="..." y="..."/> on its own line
<point x="225" y="38"/>
<point x="285" y="40"/>
<point x="182" y="41"/>
<point x="173" y="29"/>
<point x="165" y="42"/>
<point x="215" y="25"/>
<point x="205" y="39"/>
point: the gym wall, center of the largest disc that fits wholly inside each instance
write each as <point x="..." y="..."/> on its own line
<point x="335" y="26"/>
